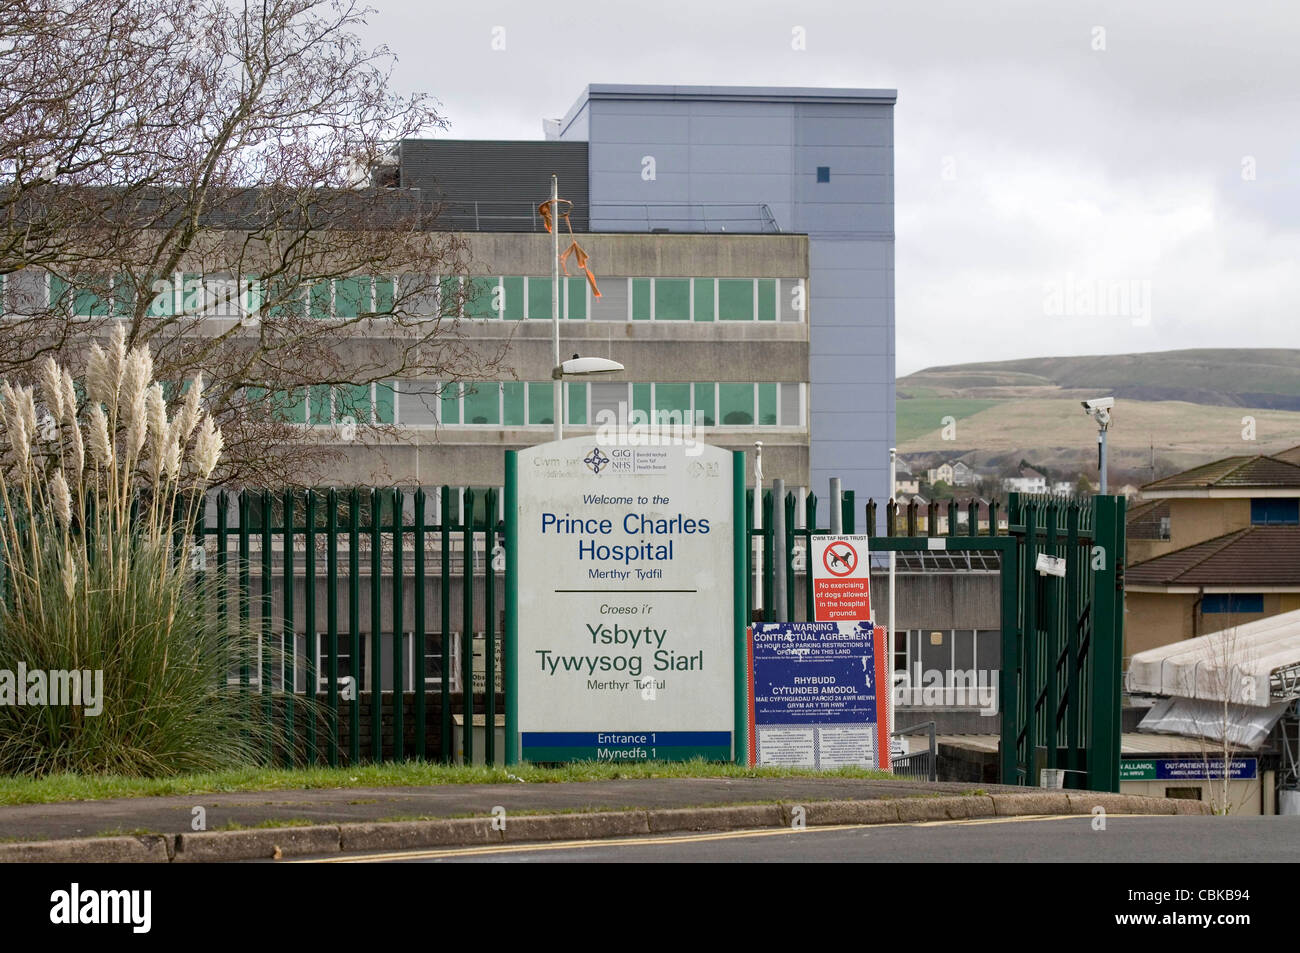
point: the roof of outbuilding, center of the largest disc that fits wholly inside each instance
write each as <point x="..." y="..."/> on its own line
<point x="1257" y="471"/>
<point x="1258" y="556"/>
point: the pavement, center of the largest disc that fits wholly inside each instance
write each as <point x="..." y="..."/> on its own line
<point x="282" y="824"/>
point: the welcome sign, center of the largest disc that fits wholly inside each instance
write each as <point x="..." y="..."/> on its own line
<point x="622" y="603"/>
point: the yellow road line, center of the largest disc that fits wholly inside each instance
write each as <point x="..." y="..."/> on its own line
<point x="489" y="849"/>
<point x="537" y="846"/>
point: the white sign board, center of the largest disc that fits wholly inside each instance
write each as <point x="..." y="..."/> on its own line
<point x="625" y="628"/>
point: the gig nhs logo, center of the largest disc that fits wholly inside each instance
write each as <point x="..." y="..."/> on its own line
<point x="76" y="906"/>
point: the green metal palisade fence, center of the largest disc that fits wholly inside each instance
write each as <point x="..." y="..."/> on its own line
<point x="1061" y="636"/>
<point x="316" y="574"/>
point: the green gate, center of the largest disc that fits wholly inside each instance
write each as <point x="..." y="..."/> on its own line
<point x="1062" y="630"/>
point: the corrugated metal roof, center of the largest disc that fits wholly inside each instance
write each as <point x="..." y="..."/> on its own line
<point x="1238" y="662"/>
<point x="1256" y="556"/>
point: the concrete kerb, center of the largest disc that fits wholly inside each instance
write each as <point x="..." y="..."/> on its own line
<point x="271" y="843"/>
<point x="328" y="839"/>
<point x="147" y="849"/>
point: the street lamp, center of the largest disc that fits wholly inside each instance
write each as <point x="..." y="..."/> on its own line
<point x="575" y="366"/>
<point x="1099" y="409"/>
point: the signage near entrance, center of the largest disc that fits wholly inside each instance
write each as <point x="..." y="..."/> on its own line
<point x="840" y="579"/>
<point x="624" y="604"/>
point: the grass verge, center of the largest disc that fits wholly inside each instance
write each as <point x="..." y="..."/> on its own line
<point x="78" y="787"/>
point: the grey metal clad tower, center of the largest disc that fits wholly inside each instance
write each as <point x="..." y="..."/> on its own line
<point x="754" y="159"/>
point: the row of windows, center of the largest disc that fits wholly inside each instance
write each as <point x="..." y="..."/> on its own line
<point x="530" y="403"/>
<point x="512" y="298"/>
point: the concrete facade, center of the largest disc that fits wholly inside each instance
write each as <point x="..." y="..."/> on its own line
<point x="817" y="161"/>
<point x="426" y="450"/>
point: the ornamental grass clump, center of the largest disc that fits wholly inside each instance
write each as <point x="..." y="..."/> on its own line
<point x="94" y="497"/>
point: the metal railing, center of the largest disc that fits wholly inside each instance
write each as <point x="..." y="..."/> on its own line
<point x="329" y="579"/>
<point x="921" y="765"/>
<point x="741" y="217"/>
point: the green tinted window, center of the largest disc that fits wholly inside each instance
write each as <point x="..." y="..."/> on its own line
<point x="384" y="403"/>
<point x="541" y="403"/>
<point x="539" y="298"/>
<point x="515" y="406"/>
<point x="162" y="298"/>
<point x="290" y="406"/>
<point x="450" y="404"/>
<point x="767" y="299"/>
<point x="640" y="403"/>
<point x="735" y="299"/>
<point x="640" y="299"/>
<point x="83" y="299"/>
<point x="706" y="410"/>
<point x="352" y="400"/>
<point x="351" y="297"/>
<point x="703" y="299"/>
<point x="479" y="294"/>
<point x="674" y="399"/>
<point x="577" y="289"/>
<point x="577" y="410"/>
<point x="124" y="296"/>
<point x="318" y="404"/>
<point x="767" y="404"/>
<point x="284" y="300"/>
<point x="512" y="290"/>
<point x="737" y="404"/>
<point x="384" y="295"/>
<point x="672" y="299"/>
<point x="321" y="303"/>
<point x="483" y="403"/>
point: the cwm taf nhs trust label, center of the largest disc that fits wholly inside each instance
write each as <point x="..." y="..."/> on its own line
<point x="624" y="566"/>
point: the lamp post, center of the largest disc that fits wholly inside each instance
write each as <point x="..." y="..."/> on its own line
<point x="576" y="366"/>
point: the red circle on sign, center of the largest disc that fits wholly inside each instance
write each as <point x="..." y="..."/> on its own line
<point x="841" y="561"/>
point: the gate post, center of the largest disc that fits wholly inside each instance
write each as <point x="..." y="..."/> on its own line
<point x="1107" y="560"/>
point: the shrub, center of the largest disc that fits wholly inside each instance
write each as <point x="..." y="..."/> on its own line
<point x="93" y="502"/>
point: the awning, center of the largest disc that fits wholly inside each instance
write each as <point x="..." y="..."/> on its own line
<point x="1245" y="726"/>
<point x="1254" y="664"/>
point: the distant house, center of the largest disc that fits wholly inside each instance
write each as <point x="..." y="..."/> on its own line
<point x="962" y="475"/>
<point x="905" y="484"/>
<point x="1063" y="488"/>
<point x="941" y="473"/>
<point x="1029" y="481"/>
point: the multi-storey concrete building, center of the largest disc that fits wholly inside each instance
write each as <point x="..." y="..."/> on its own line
<point x="743" y="242"/>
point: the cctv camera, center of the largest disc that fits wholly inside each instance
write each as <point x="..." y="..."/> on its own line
<point x="1097" y="403"/>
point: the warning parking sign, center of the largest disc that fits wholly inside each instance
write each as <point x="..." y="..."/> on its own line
<point x="841" y="583"/>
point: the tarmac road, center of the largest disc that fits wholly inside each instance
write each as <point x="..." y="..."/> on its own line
<point x="1033" y="839"/>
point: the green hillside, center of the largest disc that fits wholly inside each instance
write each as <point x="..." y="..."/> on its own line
<point x="1178" y="408"/>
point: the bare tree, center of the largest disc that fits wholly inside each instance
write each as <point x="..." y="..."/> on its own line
<point x="1224" y="678"/>
<point x="204" y="172"/>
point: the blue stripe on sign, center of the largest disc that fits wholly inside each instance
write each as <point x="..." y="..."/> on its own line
<point x="586" y="739"/>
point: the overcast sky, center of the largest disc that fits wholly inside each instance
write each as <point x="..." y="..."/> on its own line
<point x="1045" y="152"/>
